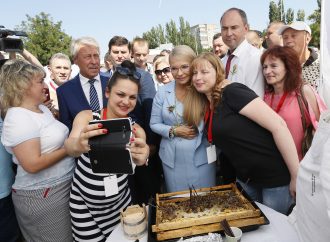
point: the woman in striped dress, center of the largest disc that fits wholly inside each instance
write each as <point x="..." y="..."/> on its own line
<point x="95" y="213"/>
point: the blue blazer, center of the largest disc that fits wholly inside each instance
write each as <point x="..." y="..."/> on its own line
<point x="161" y="122"/>
<point x="72" y="100"/>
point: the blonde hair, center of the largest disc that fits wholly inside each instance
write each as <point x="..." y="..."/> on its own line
<point x="15" y="79"/>
<point x="197" y="102"/>
<point x="183" y="51"/>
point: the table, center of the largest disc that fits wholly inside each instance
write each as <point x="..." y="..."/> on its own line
<point x="279" y="230"/>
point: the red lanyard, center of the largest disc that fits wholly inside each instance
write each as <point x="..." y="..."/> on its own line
<point x="52" y="85"/>
<point x="104" y="115"/>
<point x="280" y="104"/>
<point x="209" y="116"/>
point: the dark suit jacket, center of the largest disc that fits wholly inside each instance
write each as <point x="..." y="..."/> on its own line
<point x="72" y="100"/>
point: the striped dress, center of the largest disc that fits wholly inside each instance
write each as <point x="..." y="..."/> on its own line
<point x="93" y="215"/>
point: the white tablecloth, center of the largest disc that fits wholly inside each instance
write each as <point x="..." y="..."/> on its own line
<point x="279" y="230"/>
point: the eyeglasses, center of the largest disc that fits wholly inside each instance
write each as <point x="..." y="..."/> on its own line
<point x="183" y="68"/>
<point x="127" y="72"/>
<point x="164" y="70"/>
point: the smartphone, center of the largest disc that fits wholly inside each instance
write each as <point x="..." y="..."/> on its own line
<point x="47" y="94"/>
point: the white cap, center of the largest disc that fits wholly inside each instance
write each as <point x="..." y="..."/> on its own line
<point x="298" y="25"/>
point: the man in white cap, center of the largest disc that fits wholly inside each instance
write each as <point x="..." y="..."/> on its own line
<point x="297" y="35"/>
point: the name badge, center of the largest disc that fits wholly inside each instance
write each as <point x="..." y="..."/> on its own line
<point x="211" y="154"/>
<point x="110" y="185"/>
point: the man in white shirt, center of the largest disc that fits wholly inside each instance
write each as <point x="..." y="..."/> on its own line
<point x="242" y="62"/>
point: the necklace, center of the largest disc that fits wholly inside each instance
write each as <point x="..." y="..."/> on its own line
<point x="280" y="103"/>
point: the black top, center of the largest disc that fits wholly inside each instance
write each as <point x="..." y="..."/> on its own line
<point x="247" y="146"/>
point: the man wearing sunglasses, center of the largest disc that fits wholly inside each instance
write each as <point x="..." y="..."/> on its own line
<point x="146" y="180"/>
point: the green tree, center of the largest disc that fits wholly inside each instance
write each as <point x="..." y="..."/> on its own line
<point x="45" y="37"/>
<point x="289" y="16"/>
<point x="273" y="12"/>
<point x="152" y="37"/>
<point x="315" y="18"/>
<point x="301" y="15"/>
<point x="172" y="33"/>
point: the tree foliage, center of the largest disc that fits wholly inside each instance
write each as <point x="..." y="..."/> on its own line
<point x="45" y="37"/>
<point x="315" y="18"/>
<point x="301" y="15"/>
<point x="171" y="33"/>
<point x="289" y="16"/>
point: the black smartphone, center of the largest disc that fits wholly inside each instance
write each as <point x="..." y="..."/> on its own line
<point x="109" y="152"/>
<point x="47" y="94"/>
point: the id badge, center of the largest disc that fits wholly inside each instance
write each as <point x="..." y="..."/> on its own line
<point x="110" y="185"/>
<point x="211" y="154"/>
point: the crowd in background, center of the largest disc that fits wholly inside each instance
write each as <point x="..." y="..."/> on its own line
<point x="241" y="114"/>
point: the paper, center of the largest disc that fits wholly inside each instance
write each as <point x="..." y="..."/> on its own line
<point x="211" y="154"/>
<point x="110" y="185"/>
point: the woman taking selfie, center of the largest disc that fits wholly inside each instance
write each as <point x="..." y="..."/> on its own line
<point x="95" y="212"/>
<point x="252" y="137"/>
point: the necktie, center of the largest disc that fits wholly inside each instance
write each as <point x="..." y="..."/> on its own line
<point x="228" y="65"/>
<point x="93" y="98"/>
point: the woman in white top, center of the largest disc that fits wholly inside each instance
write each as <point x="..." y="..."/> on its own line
<point x="35" y="139"/>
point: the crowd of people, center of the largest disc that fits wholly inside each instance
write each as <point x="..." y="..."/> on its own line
<point x="239" y="114"/>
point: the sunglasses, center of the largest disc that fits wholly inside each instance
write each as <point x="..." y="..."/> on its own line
<point x="165" y="70"/>
<point x="127" y="72"/>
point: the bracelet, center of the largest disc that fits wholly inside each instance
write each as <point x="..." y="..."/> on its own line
<point x="171" y="133"/>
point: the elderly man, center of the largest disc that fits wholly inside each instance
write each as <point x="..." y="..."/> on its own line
<point x="242" y="62"/>
<point x="297" y="35"/>
<point x="272" y="37"/>
<point x="86" y="90"/>
<point x="219" y="47"/>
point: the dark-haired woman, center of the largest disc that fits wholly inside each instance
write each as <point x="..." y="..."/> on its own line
<point x="95" y="214"/>
<point x="283" y="79"/>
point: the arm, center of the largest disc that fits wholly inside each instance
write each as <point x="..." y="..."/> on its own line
<point x="311" y="100"/>
<point x="31" y="58"/>
<point x="262" y="114"/>
<point x="77" y="142"/>
<point x="29" y="155"/>
<point x="156" y="120"/>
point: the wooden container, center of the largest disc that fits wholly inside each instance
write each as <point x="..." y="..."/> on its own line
<point x="194" y="223"/>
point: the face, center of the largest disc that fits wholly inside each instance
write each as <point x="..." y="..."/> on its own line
<point x="298" y="40"/>
<point x="88" y="60"/>
<point x="233" y="29"/>
<point x="180" y="68"/>
<point x="140" y="55"/>
<point x="274" y="71"/>
<point x="122" y="98"/>
<point x="219" y="47"/>
<point x="163" y="73"/>
<point x="204" y="77"/>
<point x="36" y="92"/>
<point x="60" y="71"/>
<point x="253" y="39"/>
<point x="272" y="38"/>
<point x="119" y="53"/>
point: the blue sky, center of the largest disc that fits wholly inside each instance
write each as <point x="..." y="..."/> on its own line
<point x="103" y="19"/>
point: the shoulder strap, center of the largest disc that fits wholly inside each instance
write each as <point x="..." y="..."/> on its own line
<point x="301" y="104"/>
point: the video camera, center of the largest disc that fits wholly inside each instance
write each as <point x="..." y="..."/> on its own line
<point x="8" y="44"/>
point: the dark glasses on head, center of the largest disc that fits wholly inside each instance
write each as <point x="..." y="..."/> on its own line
<point x="165" y="70"/>
<point x="127" y="72"/>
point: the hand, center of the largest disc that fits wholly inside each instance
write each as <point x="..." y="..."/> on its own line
<point x="186" y="132"/>
<point x="87" y="132"/>
<point x="292" y="187"/>
<point x="139" y="150"/>
<point x="49" y="104"/>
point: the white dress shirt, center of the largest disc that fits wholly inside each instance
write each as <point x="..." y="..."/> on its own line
<point x="98" y="87"/>
<point x="246" y="68"/>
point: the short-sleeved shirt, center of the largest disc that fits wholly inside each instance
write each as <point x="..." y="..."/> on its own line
<point x="247" y="146"/>
<point x="21" y="125"/>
